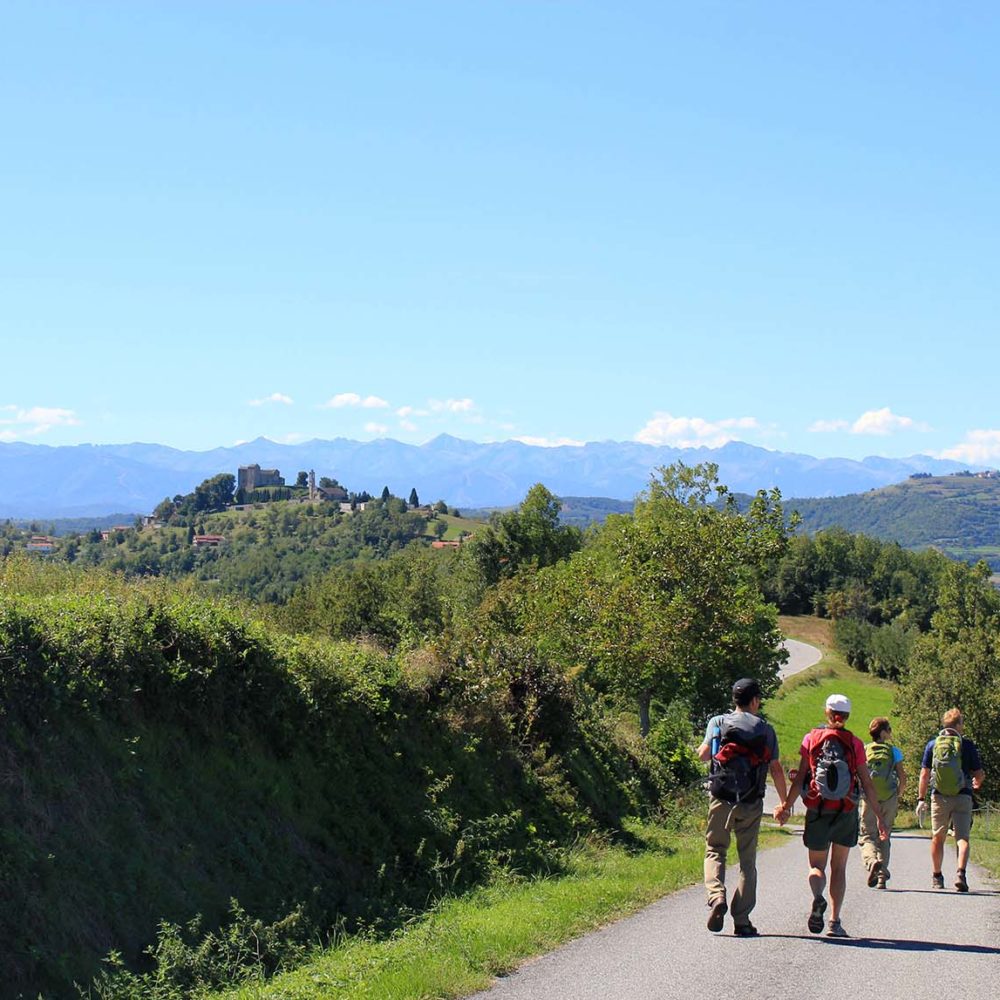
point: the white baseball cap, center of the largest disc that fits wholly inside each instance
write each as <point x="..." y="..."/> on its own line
<point x="839" y="703"/>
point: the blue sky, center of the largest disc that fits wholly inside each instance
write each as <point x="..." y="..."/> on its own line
<point x="552" y="221"/>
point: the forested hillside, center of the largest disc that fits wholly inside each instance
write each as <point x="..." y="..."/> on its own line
<point x="958" y="514"/>
<point x="264" y="554"/>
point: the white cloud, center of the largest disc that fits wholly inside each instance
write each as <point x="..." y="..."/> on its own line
<point x="407" y="425"/>
<point x="410" y="411"/>
<point x="452" y="405"/>
<point x="541" y="442"/>
<point x="373" y="428"/>
<point x="693" y="432"/>
<point x="878" y="422"/>
<point x="883" y="422"/>
<point x="828" y="426"/>
<point x="275" y="397"/>
<point x="343" y="399"/>
<point x="980" y="447"/>
<point x="34" y="421"/>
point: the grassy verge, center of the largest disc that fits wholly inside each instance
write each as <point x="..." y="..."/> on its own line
<point x="798" y="706"/>
<point x="464" y="943"/>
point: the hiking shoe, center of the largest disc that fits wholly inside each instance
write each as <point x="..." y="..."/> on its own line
<point x="746" y="930"/>
<point x="874" y="874"/>
<point x="815" y="922"/>
<point x="718" y="915"/>
<point x="835" y="929"/>
<point x="937" y="880"/>
<point x="882" y="879"/>
<point x="960" y="881"/>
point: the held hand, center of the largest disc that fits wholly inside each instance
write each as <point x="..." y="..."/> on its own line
<point x="921" y="811"/>
<point x="781" y="813"/>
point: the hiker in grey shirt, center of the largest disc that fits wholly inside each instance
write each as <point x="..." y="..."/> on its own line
<point x="742" y="748"/>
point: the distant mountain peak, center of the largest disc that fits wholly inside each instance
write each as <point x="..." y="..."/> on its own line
<point x="46" y="481"/>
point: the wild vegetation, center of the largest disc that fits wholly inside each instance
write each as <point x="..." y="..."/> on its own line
<point x="201" y="787"/>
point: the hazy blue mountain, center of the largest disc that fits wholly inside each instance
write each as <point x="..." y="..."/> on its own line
<point x="88" y="480"/>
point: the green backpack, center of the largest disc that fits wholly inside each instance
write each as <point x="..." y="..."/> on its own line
<point x="946" y="764"/>
<point x="882" y="768"/>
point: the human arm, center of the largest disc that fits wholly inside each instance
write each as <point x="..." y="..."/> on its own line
<point x="784" y="808"/>
<point x="712" y="733"/>
<point x="978" y="777"/>
<point x="778" y="777"/>
<point x="922" y="786"/>
<point x="900" y="778"/>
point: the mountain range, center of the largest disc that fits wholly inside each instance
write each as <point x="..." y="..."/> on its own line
<point x="91" y="480"/>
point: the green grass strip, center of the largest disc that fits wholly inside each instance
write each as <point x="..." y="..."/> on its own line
<point x="464" y="943"/>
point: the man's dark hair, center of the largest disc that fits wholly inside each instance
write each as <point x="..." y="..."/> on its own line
<point x="744" y="692"/>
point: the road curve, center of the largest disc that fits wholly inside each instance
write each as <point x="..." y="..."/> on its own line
<point x="800" y="656"/>
<point x="908" y="942"/>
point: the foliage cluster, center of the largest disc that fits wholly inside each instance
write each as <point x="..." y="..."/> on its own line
<point x="166" y="753"/>
<point x="880" y="595"/>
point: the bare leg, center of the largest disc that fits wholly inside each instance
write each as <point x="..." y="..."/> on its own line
<point x="963" y="855"/>
<point x="937" y="852"/>
<point x="817" y="870"/>
<point x="838" y="877"/>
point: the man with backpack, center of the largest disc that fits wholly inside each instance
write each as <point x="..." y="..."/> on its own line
<point x="831" y="769"/>
<point x="742" y="749"/>
<point x="953" y="769"/>
<point x="885" y="766"/>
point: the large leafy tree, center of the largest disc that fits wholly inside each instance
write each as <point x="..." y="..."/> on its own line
<point x="957" y="664"/>
<point x="666" y="604"/>
<point x="528" y="537"/>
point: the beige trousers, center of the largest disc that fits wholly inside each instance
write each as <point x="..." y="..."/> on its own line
<point x="873" y="849"/>
<point x="726" y="820"/>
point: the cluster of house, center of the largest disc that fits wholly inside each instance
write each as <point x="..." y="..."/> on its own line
<point x="248" y="478"/>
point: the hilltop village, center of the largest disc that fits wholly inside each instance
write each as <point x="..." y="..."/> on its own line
<point x="253" y="489"/>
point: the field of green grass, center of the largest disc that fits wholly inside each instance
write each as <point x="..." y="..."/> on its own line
<point x="456" y="525"/>
<point x="798" y="706"/>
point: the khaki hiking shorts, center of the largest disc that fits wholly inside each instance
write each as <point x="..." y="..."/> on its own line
<point x="951" y="809"/>
<point x="830" y="827"/>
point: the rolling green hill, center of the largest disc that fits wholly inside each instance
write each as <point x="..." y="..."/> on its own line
<point x="958" y="514"/>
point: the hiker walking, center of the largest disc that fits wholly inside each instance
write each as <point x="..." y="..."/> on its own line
<point x="742" y="748"/>
<point x="832" y="762"/>
<point x="951" y="765"/>
<point x="885" y="766"/>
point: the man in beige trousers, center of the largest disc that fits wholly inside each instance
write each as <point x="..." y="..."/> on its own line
<point x="743" y="748"/>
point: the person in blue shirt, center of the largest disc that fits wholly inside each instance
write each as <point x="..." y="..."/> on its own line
<point x="952" y="769"/>
<point x="885" y="765"/>
<point x="743" y="750"/>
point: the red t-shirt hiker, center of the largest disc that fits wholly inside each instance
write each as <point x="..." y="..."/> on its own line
<point x="831" y="775"/>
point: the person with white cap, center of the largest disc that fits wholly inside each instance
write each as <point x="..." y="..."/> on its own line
<point x="832" y="761"/>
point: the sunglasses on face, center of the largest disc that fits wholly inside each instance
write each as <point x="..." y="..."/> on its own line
<point x="839" y="715"/>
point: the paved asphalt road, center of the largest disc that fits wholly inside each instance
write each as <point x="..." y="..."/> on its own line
<point x="908" y="942"/>
<point x="800" y="656"/>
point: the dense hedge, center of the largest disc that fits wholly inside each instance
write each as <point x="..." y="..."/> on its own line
<point x="161" y="755"/>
